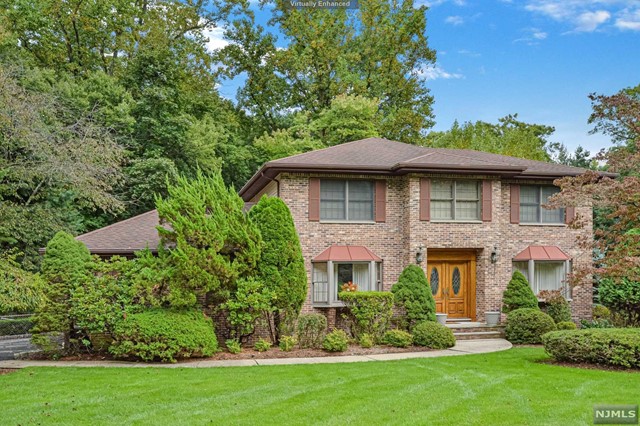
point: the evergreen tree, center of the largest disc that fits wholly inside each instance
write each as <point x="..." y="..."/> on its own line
<point x="64" y="267"/>
<point x="281" y="266"/>
<point x="518" y="294"/>
<point x="413" y="294"/>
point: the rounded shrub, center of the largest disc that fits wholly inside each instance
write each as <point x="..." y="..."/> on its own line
<point x="287" y="343"/>
<point x="433" y="335"/>
<point x="528" y="325"/>
<point x="311" y="330"/>
<point x="412" y="295"/>
<point x="397" y="338"/>
<point x="369" y="312"/>
<point x="566" y="325"/>
<point x="165" y="335"/>
<point x="518" y="294"/>
<point x="622" y="296"/>
<point x="336" y="341"/>
<point x="608" y="346"/>
<point x="556" y="306"/>
<point x="601" y="312"/>
<point x="366" y="341"/>
<point x="262" y="345"/>
<point x="233" y="346"/>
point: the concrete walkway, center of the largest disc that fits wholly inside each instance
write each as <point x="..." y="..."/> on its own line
<point x="463" y="347"/>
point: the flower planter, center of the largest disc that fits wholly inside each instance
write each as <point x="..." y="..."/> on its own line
<point x="492" y="318"/>
<point x="441" y="318"/>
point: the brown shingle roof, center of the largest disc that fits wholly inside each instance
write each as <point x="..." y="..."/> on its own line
<point x="382" y="156"/>
<point x="125" y="237"/>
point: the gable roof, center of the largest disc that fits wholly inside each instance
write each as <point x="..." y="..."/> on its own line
<point x="385" y="157"/>
<point x="126" y="236"/>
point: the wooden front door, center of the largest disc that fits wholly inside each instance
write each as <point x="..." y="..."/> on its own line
<point x="452" y="280"/>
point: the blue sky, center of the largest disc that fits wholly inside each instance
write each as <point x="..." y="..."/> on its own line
<point x="537" y="58"/>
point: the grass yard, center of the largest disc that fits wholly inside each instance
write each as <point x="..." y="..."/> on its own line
<point x="507" y="388"/>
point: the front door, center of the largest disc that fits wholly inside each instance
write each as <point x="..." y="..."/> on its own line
<point x="451" y="283"/>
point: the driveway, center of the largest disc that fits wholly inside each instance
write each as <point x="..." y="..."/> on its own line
<point x="10" y="347"/>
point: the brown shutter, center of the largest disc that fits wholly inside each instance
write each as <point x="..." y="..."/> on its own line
<point x="569" y="214"/>
<point x="425" y="199"/>
<point x="515" y="203"/>
<point x="314" y="199"/>
<point x="486" y="200"/>
<point x="381" y="200"/>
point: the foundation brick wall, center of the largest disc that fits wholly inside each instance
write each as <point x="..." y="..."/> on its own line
<point x="397" y="240"/>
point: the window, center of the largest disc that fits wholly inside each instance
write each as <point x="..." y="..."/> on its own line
<point x="455" y="200"/>
<point x="532" y="198"/>
<point x="547" y="275"/>
<point x="366" y="275"/>
<point x="346" y="200"/>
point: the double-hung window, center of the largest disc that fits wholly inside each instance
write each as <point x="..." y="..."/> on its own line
<point x="348" y="200"/>
<point x="532" y="198"/>
<point x="455" y="200"/>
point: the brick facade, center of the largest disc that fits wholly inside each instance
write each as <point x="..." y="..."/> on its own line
<point x="397" y="240"/>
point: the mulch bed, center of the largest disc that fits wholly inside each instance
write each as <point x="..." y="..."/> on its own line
<point x="250" y="353"/>
<point x="7" y="371"/>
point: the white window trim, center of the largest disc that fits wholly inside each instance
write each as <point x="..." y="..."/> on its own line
<point x="565" y="289"/>
<point x="333" y="286"/>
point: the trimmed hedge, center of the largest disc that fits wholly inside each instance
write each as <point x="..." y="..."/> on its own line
<point x="311" y="330"/>
<point x="528" y="326"/>
<point x="12" y="327"/>
<point x="433" y="335"/>
<point x="397" y="338"/>
<point x="609" y="346"/>
<point x="370" y="312"/>
<point x="161" y="334"/>
<point x="518" y="294"/>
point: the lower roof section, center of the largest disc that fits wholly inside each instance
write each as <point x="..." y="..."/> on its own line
<point x="338" y="253"/>
<point x="541" y="253"/>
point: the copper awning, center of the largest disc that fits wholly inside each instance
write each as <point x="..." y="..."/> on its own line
<point x="541" y="253"/>
<point x="337" y="253"/>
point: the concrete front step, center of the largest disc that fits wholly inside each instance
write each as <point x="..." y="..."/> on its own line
<point x="475" y="329"/>
<point x="473" y="335"/>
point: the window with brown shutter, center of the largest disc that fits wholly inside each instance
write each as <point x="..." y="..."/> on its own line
<point x="314" y="199"/>
<point x="381" y="200"/>
<point x="425" y="199"/>
<point x="515" y="203"/>
<point x="486" y="200"/>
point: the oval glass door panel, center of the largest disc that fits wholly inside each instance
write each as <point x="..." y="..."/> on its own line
<point x="435" y="281"/>
<point x="455" y="281"/>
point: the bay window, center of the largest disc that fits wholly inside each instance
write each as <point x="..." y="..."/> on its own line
<point x="329" y="277"/>
<point x="545" y="275"/>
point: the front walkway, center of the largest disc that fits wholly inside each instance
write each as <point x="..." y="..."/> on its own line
<point x="463" y="347"/>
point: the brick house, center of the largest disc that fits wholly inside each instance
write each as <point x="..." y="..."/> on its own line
<point x="365" y="210"/>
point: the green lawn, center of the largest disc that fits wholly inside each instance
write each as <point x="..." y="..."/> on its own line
<point x="507" y="388"/>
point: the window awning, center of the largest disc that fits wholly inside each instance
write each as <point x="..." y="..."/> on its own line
<point x="337" y="253"/>
<point x="541" y="253"/>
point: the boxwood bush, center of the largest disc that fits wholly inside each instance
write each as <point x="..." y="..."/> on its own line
<point x="311" y="330"/>
<point x="608" y="346"/>
<point x="165" y="335"/>
<point x="397" y="338"/>
<point x="433" y="335"/>
<point x="336" y="341"/>
<point x="369" y="312"/>
<point x="566" y="325"/>
<point x="528" y="325"/>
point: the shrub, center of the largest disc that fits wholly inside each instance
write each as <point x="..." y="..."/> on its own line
<point x="311" y="330"/>
<point x="556" y="306"/>
<point x="613" y="346"/>
<point x="518" y="294"/>
<point x="20" y="291"/>
<point x="281" y="267"/>
<point x="566" y="325"/>
<point x="528" y="325"/>
<point x="603" y="323"/>
<point x="433" y="335"/>
<point x="397" y="338"/>
<point x="12" y="327"/>
<point x="246" y="306"/>
<point x="336" y="341"/>
<point x="165" y="335"/>
<point x="601" y="312"/>
<point x="262" y="345"/>
<point x="370" y="312"/>
<point x="233" y="346"/>
<point x="622" y="296"/>
<point x="366" y="341"/>
<point x="413" y="296"/>
<point x="287" y="343"/>
<point x="64" y="267"/>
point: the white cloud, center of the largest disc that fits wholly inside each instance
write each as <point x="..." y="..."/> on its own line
<point x="539" y="35"/>
<point x="215" y="38"/>
<point x="434" y="72"/>
<point x="589" y="21"/>
<point x="629" y="20"/>
<point x="589" y="15"/>
<point x="469" y="53"/>
<point x="454" y="20"/>
<point x="533" y="36"/>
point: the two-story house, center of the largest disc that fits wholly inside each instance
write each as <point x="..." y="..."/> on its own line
<point x="365" y="210"/>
